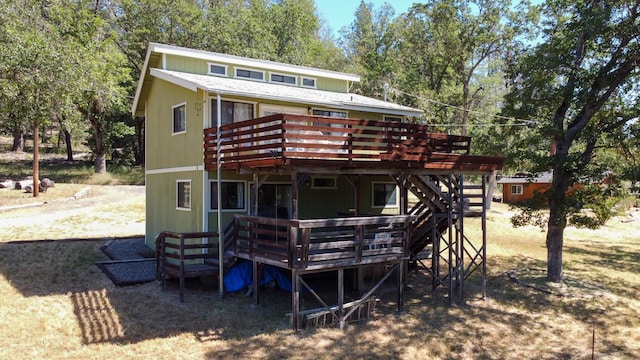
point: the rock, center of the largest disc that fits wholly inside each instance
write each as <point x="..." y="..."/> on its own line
<point x="7" y="184"/>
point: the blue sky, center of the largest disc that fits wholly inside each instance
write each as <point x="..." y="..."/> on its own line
<point x="340" y="13"/>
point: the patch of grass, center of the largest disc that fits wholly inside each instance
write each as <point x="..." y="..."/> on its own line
<point x="55" y="303"/>
<point x="74" y="172"/>
<point x="13" y="197"/>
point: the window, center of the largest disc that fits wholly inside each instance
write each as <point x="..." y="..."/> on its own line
<point x="285" y="79"/>
<point x="385" y="195"/>
<point x="230" y="111"/>
<point x="517" y="190"/>
<point x="180" y="118"/>
<point x="318" y="182"/>
<point x="217" y="69"/>
<point x="330" y="113"/>
<point x="274" y="200"/>
<point x="393" y="118"/>
<point x="309" y="82"/>
<point x="250" y="74"/>
<point x="232" y="195"/>
<point x="183" y="194"/>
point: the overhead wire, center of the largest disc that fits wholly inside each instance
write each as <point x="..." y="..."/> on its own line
<point x="519" y="122"/>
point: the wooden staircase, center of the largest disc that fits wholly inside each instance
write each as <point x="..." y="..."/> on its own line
<point x="440" y="206"/>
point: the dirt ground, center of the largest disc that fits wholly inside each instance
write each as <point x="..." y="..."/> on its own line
<point x="99" y="211"/>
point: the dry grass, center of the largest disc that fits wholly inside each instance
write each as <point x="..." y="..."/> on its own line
<point x="56" y="304"/>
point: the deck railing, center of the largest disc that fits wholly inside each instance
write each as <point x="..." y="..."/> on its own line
<point x="323" y="243"/>
<point x="289" y="136"/>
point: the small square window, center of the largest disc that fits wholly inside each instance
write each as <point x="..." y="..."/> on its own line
<point x="309" y="82"/>
<point x="180" y="118"/>
<point x="232" y="195"/>
<point x="517" y="190"/>
<point x="183" y="194"/>
<point x="217" y="69"/>
<point x="385" y="195"/>
<point x="318" y="182"/>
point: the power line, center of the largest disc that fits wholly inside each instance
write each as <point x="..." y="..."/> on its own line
<point x="520" y="122"/>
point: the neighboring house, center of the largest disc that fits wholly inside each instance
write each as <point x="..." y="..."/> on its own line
<point x="522" y="187"/>
<point x="295" y="145"/>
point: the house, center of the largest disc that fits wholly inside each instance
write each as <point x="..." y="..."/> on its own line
<point x="521" y="187"/>
<point x="299" y="172"/>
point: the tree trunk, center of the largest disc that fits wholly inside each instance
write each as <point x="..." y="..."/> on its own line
<point x="36" y="157"/>
<point x="18" y="140"/>
<point x="555" y="240"/>
<point x="101" y="154"/>
<point x="557" y="223"/>
<point x="67" y="141"/>
<point x="491" y="187"/>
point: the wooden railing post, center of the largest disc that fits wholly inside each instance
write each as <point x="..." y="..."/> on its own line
<point x="304" y="250"/>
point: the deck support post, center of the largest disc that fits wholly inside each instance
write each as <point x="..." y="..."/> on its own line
<point x="484" y="237"/>
<point x="256" y="284"/>
<point x="295" y="299"/>
<point x="341" y="298"/>
<point x="294" y="195"/>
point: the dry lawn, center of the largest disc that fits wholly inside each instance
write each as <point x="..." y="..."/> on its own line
<point x="56" y="303"/>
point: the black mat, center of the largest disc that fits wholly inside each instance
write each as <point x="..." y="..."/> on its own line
<point x="130" y="262"/>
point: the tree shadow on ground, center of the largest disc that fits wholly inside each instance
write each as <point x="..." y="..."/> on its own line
<point x="428" y="327"/>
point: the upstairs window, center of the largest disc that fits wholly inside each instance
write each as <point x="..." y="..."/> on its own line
<point x="333" y="114"/>
<point x="230" y="111"/>
<point x="180" y="118"/>
<point x="309" y="82"/>
<point x="183" y="194"/>
<point x="250" y="74"/>
<point x="384" y="195"/>
<point x="217" y="69"/>
<point x="284" y="79"/>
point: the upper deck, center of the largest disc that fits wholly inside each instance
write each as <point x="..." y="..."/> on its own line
<point x="287" y="141"/>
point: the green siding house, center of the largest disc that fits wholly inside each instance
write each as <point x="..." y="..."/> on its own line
<point x="178" y="95"/>
<point x="293" y="170"/>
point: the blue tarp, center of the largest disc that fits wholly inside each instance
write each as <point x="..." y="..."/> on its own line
<point x="240" y="277"/>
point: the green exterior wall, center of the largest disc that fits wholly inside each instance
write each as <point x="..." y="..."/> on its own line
<point x="197" y="66"/>
<point x="172" y="157"/>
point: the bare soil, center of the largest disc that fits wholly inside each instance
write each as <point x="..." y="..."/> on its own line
<point x="96" y="211"/>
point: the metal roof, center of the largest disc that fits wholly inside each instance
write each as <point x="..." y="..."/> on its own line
<point x="269" y="91"/>
<point x="544" y="178"/>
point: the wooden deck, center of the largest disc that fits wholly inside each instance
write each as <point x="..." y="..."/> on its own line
<point x="298" y="142"/>
<point x="322" y="244"/>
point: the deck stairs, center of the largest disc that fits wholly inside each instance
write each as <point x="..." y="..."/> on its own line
<point x="440" y="204"/>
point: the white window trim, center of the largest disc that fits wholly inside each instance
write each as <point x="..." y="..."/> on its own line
<point x="335" y="183"/>
<point x="331" y="110"/>
<point x="226" y="69"/>
<point x="246" y="197"/>
<point x="173" y="119"/>
<point x="387" y="117"/>
<point x="235" y="74"/>
<point x="178" y="181"/>
<point x="517" y="186"/>
<point x="283" y="83"/>
<point x="386" y="206"/>
<point x="315" y="82"/>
